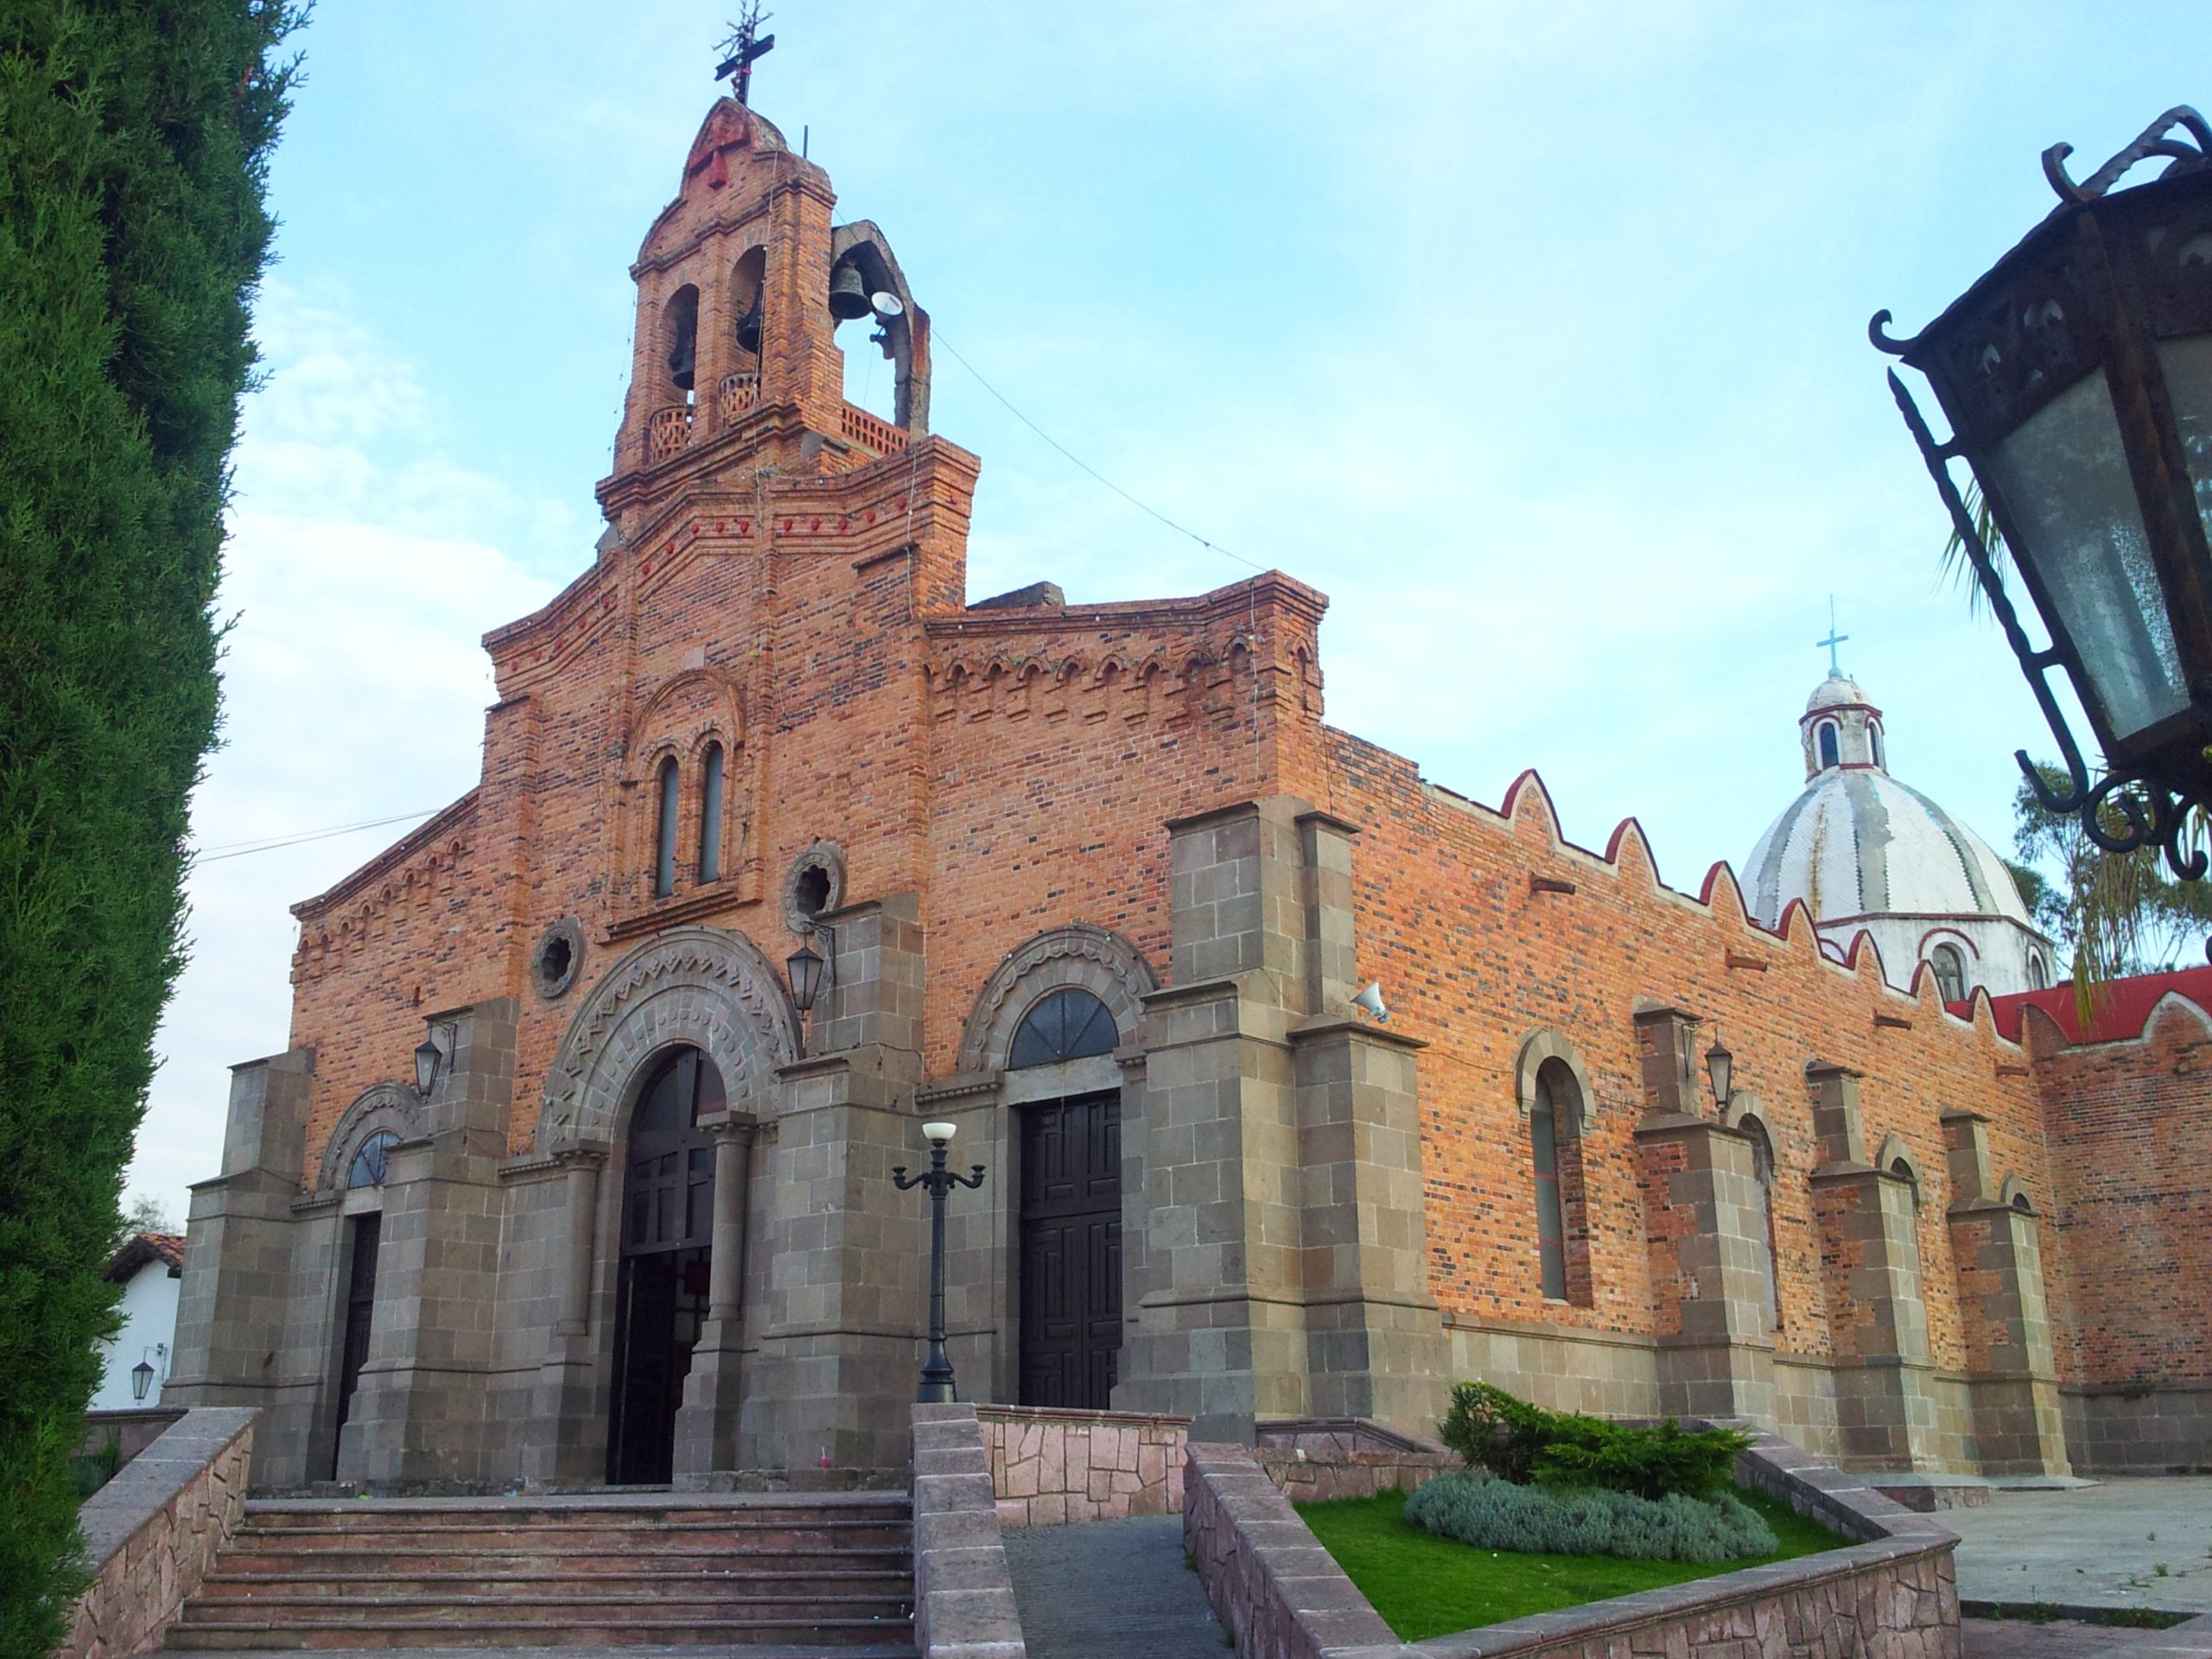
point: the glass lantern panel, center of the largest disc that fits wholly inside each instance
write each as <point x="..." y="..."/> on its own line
<point x="2187" y="364"/>
<point x="2064" y="476"/>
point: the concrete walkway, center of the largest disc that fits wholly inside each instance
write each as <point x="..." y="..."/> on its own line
<point x="2127" y="1542"/>
<point x="1111" y="1590"/>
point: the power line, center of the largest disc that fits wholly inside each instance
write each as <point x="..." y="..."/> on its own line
<point x="936" y="335"/>
<point x="272" y="843"/>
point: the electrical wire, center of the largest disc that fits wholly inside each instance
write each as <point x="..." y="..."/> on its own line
<point x="273" y="843"/>
<point x="937" y="337"/>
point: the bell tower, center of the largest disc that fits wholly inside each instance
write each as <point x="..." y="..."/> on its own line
<point x="741" y="284"/>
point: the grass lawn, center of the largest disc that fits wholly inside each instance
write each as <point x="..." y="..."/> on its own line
<point x="1424" y="1585"/>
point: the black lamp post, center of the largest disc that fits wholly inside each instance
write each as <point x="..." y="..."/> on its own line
<point x="937" y="1181"/>
<point x="2077" y="375"/>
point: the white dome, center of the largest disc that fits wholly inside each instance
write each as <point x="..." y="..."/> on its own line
<point x="1858" y="842"/>
<point x="1836" y="692"/>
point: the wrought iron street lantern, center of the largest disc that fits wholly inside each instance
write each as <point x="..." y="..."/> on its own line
<point x="2077" y="375"/>
<point x="938" y="1182"/>
<point x="1720" y="1066"/>
<point x="141" y="1378"/>
<point x="805" y="966"/>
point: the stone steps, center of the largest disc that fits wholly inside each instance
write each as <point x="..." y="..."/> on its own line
<point x="828" y="1571"/>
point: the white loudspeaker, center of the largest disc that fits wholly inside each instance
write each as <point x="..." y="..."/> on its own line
<point x="1371" y="1000"/>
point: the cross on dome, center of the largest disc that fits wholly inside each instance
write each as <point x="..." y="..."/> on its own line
<point x="1835" y="670"/>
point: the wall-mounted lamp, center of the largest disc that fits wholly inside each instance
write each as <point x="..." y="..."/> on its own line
<point x="1720" y="1066"/>
<point x="809" y="972"/>
<point x="141" y="1378"/>
<point x="432" y="1055"/>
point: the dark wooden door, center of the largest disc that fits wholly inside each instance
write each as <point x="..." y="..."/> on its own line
<point x="360" y="1308"/>
<point x="1071" y="1251"/>
<point x="668" y="1205"/>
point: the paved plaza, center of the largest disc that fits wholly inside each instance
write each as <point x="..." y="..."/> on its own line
<point x="2126" y="1542"/>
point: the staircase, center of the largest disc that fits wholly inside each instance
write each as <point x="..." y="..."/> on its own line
<point x="811" y="1571"/>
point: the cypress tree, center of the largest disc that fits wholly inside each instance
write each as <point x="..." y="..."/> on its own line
<point x="135" y="136"/>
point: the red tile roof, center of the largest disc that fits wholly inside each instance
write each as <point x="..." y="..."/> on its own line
<point x="140" y="1249"/>
<point x="2119" y="1013"/>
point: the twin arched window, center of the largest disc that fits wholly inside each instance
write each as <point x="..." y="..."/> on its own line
<point x="669" y="820"/>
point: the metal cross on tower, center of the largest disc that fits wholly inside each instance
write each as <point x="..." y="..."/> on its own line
<point x="1835" y="672"/>
<point x="744" y="44"/>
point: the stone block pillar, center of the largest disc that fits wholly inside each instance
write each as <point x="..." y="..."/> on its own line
<point x="566" y="1439"/>
<point x="1716" y="1349"/>
<point x="1869" y="1222"/>
<point x="1375" y="1342"/>
<point x="1286" y="1233"/>
<point x="846" y="1251"/>
<point x="234" y="1304"/>
<point x="2012" y="1380"/>
<point x="707" y="1425"/>
<point x="416" y="1416"/>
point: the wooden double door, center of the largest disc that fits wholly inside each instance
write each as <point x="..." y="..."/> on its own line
<point x="1071" y="1251"/>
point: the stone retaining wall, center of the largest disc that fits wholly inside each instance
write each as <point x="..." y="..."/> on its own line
<point x="963" y="1592"/>
<point x="155" y="1529"/>
<point x="133" y="1429"/>
<point x="1049" y="1467"/>
<point x="1892" y="1594"/>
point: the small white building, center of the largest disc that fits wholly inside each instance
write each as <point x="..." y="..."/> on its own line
<point x="149" y="1268"/>
<point x="1866" y="854"/>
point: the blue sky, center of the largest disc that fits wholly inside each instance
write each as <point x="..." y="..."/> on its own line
<point x="1533" y="334"/>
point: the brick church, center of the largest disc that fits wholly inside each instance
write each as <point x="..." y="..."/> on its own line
<point x="578" y="1167"/>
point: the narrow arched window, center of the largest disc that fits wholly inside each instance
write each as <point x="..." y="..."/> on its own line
<point x="1069" y="1023"/>
<point x="710" y="814"/>
<point x="1555" y="1157"/>
<point x="1874" y="742"/>
<point x="1830" y="754"/>
<point x="680" y="333"/>
<point x="1763" y="1222"/>
<point x="1551" y="1218"/>
<point x="1950" y="972"/>
<point x="664" y="841"/>
<point x="2039" y="972"/>
<point x="373" y="1161"/>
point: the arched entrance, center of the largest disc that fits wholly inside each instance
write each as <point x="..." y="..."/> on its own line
<point x="668" y="1207"/>
<point x="1071" y="1210"/>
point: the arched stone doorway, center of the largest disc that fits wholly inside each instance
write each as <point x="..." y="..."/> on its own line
<point x="1071" y="1249"/>
<point x="668" y="1209"/>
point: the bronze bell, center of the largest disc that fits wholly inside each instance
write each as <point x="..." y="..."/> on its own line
<point x="847" y="294"/>
<point x="748" y="332"/>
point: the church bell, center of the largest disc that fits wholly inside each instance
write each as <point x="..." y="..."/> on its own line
<point x="748" y="332"/>
<point x="847" y="294"/>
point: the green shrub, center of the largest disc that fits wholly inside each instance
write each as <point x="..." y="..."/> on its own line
<point x="1523" y="1443"/>
<point x="1495" y="1514"/>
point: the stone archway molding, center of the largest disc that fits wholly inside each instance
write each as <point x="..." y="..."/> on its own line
<point x="392" y="1106"/>
<point x="699" y="985"/>
<point x="1102" y="963"/>
<point x="1548" y="1045"/>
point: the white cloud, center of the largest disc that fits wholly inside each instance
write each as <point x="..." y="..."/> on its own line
<point x="362" y="569"/>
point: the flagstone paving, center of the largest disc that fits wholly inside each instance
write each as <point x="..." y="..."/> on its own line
<point x="2127" y="1542"/>
<point x="1111" y="1590"/>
